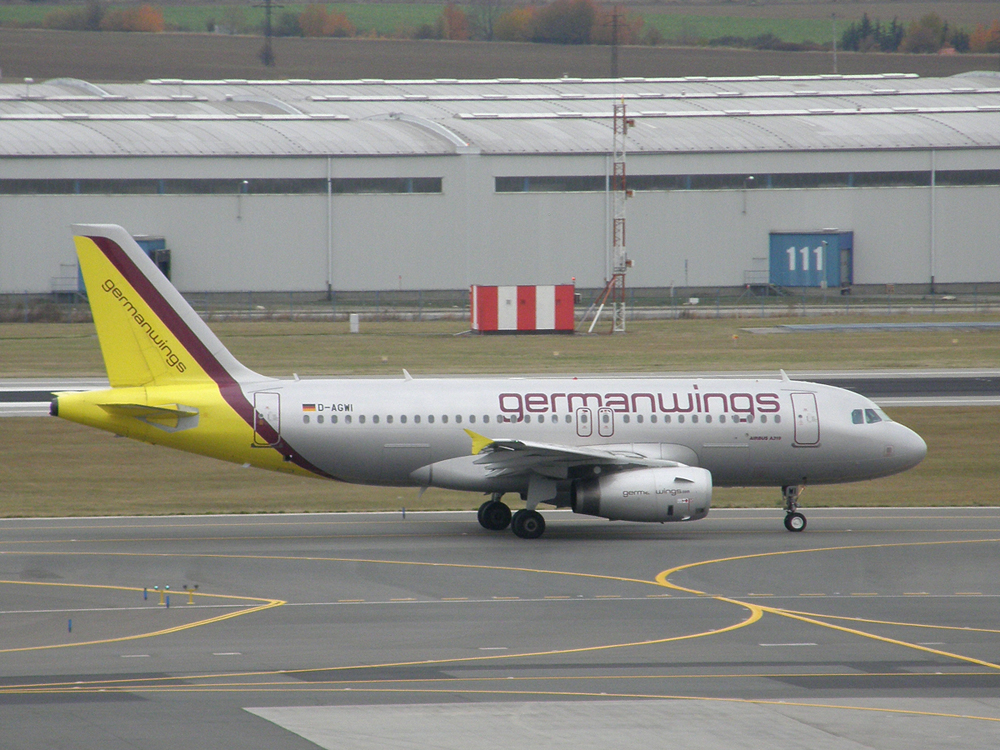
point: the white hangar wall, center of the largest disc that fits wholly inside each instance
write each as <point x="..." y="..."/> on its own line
<point x="471" y="234"/>
<point x="470" y="231"/>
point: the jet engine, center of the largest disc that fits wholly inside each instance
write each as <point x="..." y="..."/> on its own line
<point x="659" y="494"/>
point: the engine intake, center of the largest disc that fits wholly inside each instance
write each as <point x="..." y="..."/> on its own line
<point x="657" y="495"/>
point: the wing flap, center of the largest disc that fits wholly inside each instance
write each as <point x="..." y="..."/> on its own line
<point x="505" y="457"/>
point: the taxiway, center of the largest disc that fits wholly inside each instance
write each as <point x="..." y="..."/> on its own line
<point x="875" y="628"/>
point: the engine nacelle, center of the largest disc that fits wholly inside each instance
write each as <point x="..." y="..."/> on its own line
<point x="659" y="494"/>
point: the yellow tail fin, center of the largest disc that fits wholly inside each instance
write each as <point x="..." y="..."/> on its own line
<point x="149" y="334"/>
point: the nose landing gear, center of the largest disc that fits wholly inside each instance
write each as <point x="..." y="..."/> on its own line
<point x="794" y="521"/>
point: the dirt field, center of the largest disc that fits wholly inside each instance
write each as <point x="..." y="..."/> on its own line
<point x="134" y="57"/>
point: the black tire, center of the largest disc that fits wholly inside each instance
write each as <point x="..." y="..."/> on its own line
<point x="795" y="522"/>
<point x="494" y="515"/>
<point x="528" y="524"/>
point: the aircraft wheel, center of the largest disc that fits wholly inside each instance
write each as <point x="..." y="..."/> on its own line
<point x="528" y="524"/>
<point x="795" y="522"/>
<point x="494" y="515"/>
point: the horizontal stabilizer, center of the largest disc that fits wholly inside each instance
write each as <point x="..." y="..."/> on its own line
<point x="169" y="417"/>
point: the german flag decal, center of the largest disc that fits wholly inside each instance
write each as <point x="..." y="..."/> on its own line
<point x="308" y="407"/>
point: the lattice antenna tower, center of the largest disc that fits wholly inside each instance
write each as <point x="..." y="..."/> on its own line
<point x="614" y="289"/>
<point x="619" y="195"/>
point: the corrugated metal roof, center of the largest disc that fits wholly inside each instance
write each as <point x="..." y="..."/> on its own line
<point x="67" y="117"/>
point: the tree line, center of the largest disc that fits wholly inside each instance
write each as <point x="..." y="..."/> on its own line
<point x="929" y="34"/>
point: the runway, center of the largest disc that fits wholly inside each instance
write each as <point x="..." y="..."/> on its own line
<point x="875" y="628"/>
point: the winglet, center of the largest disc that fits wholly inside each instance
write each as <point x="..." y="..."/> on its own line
<point x="406" y="375"/>
<point x="784" y="376"/>
<point x="478" y="442"/>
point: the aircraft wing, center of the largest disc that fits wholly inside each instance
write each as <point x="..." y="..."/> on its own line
<point x="507" y="457"/>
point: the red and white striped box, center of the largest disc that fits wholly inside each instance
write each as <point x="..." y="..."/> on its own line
<point x="523" y="309"/>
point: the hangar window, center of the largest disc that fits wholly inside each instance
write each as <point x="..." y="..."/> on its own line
<point x="550" y="184"/>
<point x="740" y="181"/>
<point x="967" y="177"/>
<point x="227" y="186"/>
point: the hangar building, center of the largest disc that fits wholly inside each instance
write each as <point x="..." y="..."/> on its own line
<point x="367" y="185"/>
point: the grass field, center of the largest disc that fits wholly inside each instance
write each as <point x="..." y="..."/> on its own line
<point x="791" y="22"/>
<point x="310" y="349"/>
<point x="54" y="468"/>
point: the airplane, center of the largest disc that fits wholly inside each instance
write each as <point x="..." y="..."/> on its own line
<point x="636" y="449"/>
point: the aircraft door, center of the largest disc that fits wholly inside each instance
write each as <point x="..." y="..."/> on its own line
<point x="605" y="422"/>
<point x="584" y="422"/>
<point x="266" y="419"/>
<point x="806" y="418"/>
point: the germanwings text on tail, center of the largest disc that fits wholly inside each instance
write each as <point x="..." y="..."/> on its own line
<point x="636" y="449"/>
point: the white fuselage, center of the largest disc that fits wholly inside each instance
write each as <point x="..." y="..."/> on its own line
<point x="745" y="432"/>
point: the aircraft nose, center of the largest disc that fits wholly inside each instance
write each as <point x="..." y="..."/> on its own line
<point x="907" y="447"/>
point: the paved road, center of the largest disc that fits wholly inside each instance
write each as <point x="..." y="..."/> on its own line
<point x="875" y="628"/>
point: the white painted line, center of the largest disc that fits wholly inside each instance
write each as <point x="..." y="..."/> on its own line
<point x="135" y="656"/>
<point x="227" y="653"/>
<point x="784" y="645"/>
<point x="493" y="648"/>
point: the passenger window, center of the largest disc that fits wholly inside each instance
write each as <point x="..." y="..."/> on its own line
<point x="777" y="419"/>
<point x="458" y="419"/>
<point x="361" y="419"/>
<point x="625" y="418"/>
<point x="680" y="419"/>
<point x="652" y="418"/>
<point x="305" y="419"/>
<point x="388" y="419"/>
<point x="416" y="419"/>
<point x="319" y="419"/>
<point x="708" y="419"/>
<point x="375" y="419"/>
<point x="472" y="419"/>
<point x="486" y="419"/>
<point x="333" y="419"/>
<point x="722" y="419"/>
<point x="857" y="416"/>
<point x="763" y="418"/>
<point x="871" y="416"/>
<point x="638" y="418"/>
<point x="694" y="419"/>
<point x="527" y="417"/>
<point x="402" y="419"/>
<point x="444" y="419"/>
<point x="347" y="419"/>
<point x="666" y="419"/>
<point x="569" y="418"/>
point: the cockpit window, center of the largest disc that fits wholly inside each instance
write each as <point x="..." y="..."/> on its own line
<point x="858" y="416"/>
<point x="871" y="416"/>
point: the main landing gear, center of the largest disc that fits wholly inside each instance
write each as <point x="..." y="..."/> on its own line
<point x="794" y="521"/>
<point x="494" y="515"/>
